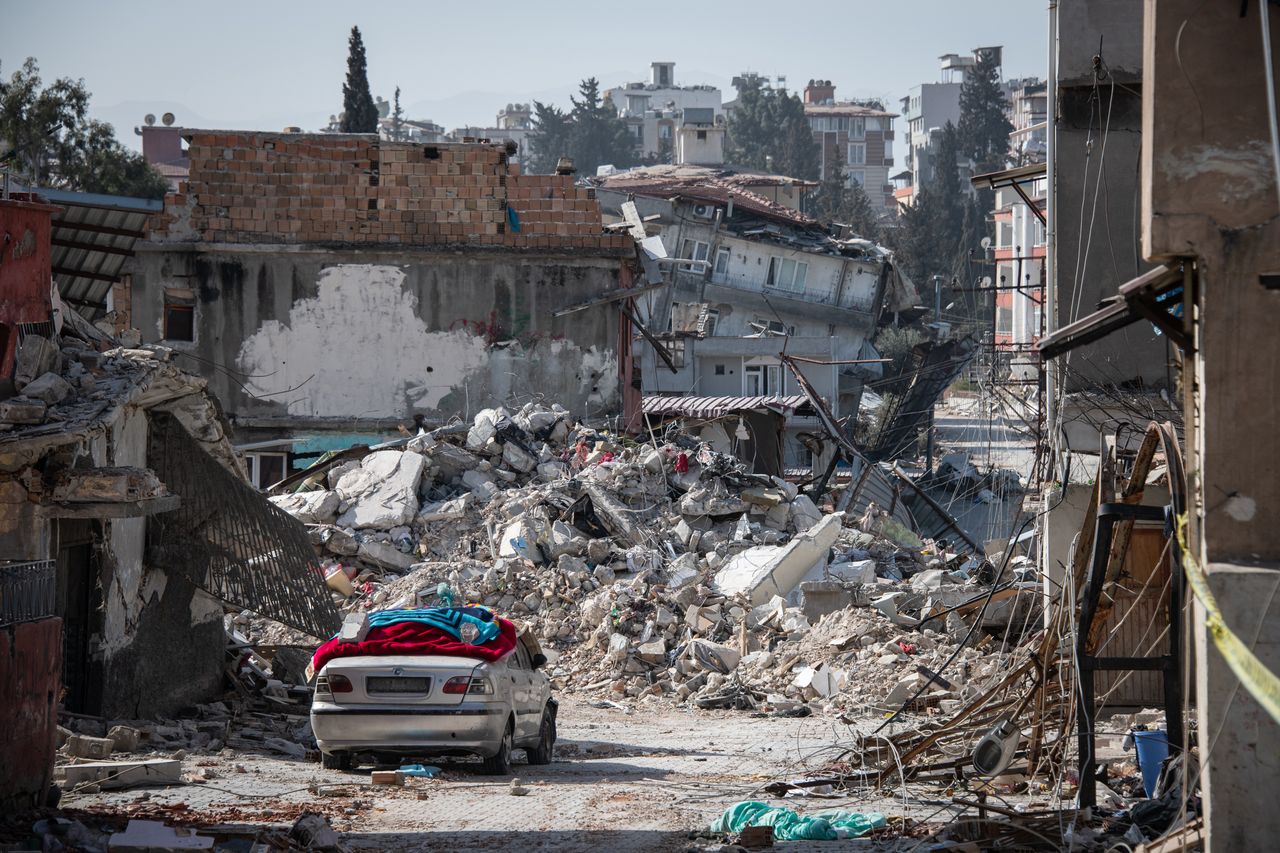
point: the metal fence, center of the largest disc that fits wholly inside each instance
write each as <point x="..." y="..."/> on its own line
<point x="230" y="541"/>
<point x="27" y="591"/>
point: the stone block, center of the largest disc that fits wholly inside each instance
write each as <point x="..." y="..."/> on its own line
<point x="318" y="507"/>
<point x="50" y="388"/>
<point x="22" y="411"/>
<point x="84" y="746"/>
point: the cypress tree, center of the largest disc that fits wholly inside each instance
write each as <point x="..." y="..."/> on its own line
<point x="359" y="114"/>
<point x="984" y="129"/>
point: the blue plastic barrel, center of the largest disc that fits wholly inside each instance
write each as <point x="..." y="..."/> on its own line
<point x="1153" y="749"/>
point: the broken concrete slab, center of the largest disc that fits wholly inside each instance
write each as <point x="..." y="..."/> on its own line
<point x="450" y="510"/>
<point x="22" y="411"/>
<point x="769" y="570"/>
<point x="36" y="355"/>
<point x="84" y="746"/>
<point x="318" y="507"/>
<point x="49" y="388"/>
<point x="383" y="492"/>
<point x="125" y="774"/>
<point x="854" y="571"/>
<point x="385" y="554"/>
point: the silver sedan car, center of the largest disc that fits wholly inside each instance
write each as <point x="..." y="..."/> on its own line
<point x="398" y="706"/>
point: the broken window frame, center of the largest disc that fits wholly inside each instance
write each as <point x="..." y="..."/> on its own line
<point x="254" y="463"/>
<point x="787" y="279"/>
<point x="170" y="332"/>
<point x="721" y="267"/>
<point x="694" y="250"/>
<point x="766" y="379"/>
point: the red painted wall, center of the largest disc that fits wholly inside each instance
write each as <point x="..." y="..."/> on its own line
<point x="24" y="272"/>
<point x="30" y="681"/>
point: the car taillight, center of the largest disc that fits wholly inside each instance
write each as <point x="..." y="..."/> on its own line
<point x="339" y="684"/>
<point x="461" y="684"/>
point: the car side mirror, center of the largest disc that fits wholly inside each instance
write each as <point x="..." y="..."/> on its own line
<point x="539" y="661"/>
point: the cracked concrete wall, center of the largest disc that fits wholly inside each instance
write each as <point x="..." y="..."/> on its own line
<point x="162" y="639"/>
<point x="1099" y="129"/>
<point x="301" y="335"/>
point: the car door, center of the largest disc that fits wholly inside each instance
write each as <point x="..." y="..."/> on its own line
<point x="518" y="668"/>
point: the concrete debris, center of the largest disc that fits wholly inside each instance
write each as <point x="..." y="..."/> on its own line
<point x="658" y="572"/>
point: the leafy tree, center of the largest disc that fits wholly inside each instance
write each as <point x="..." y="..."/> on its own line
<point x="598" y="137"/>
<point x="549" y="140"/>
<point x="984" y="129"/>
<point x="840" y="201"/>
<point x="768" y="131"/>
<point x="590" y="132"/>
<point x="359" y="113"/>
<point x="47" y="137"/>
<point x="929" y="241"/>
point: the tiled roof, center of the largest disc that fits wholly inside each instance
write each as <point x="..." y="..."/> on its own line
<point x="845" y="110"/>
<point x="717" y="407"/>
<point x="708" y="185"/>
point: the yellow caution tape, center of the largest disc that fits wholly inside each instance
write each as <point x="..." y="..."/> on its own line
<point x="1262" y="683"/>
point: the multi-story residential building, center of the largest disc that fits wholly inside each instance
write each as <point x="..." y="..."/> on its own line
<point x="750" y="277"/>
<point x="655" y="111"/>
<point x="1019" y="255"/>
<point x="514" y="123"/>
<point x="162" y="148"/>
<point x="858" y="136"/>
<point x="929" y="106"/>
<point x="1027" y="105"/>
<point x="419" y="131"/>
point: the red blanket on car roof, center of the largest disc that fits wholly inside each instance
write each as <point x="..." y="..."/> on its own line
<point x="414" y="638"/>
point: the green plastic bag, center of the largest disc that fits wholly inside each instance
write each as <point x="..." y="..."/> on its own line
<point x="827" y="825"/>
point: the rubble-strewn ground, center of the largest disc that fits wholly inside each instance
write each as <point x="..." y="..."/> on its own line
<point x="620" y="782"/>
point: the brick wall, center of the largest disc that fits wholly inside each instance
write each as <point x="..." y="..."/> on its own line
<point x="326" y="188"/>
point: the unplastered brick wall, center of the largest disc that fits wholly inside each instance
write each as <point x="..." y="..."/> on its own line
<point x="329" y="188"/>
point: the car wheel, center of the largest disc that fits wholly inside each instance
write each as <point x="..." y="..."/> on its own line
<point x="500" y="764"/>
<point x="335" y="760"/>
<point x="542" y="753"/>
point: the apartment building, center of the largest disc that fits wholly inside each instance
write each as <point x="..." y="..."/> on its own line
<point x="857" y="135"/>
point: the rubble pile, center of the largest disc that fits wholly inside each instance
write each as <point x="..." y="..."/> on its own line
<point x="650" y="571"/>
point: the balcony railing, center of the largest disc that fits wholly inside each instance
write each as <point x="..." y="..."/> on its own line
<point x="28" y="591"/>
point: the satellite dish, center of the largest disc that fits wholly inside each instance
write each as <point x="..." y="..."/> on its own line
<point x="986" y="281"/>
<point x="149" y="119"/>
<point x="167" y="119"/>
<point x="986" y="243"/>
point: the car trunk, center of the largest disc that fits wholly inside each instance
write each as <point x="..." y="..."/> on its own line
<point x="399" y="679"/>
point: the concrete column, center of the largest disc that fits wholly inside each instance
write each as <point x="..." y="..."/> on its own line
<point x="1209" y="193"/>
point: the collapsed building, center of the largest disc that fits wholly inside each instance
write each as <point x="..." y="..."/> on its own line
<point x="750" y="276"/>
<point x="330" y="286"/>
<point x="125" y="518"/>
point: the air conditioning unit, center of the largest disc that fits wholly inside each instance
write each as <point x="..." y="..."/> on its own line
<point x="704" y="211"/>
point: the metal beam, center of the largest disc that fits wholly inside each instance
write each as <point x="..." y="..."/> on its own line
<point x="657" y="344"/>
<point x="98" y="229"/>
<point x="608" y="296"/>
<point x="96" y="276"/>
<point x="84" y="303"/>
<point x="90" y="247"/>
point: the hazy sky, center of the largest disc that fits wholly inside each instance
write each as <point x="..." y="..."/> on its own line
<point x="269" y="64"/>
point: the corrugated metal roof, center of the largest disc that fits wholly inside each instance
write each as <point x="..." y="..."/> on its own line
<point x="93" y="236"/>
<point x="716" y="407"/>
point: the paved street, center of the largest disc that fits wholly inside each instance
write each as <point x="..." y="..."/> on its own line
<point x="637" y="782"/>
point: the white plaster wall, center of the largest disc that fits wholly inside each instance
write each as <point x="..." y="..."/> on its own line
<point x="128" y="591"/>
<point x="126" y="540"/>
<point x="360" y="349"/>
